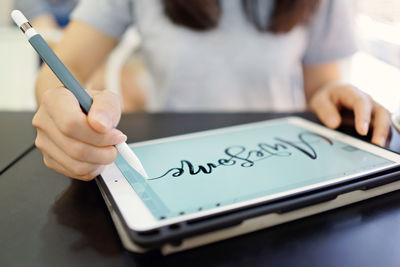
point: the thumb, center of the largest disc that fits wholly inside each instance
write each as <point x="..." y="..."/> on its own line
<point x="105" y="111"/>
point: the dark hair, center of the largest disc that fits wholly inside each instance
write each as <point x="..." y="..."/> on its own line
<point x="204" y="14"/>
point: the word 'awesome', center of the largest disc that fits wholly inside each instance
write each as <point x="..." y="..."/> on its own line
<point x="240" y="155"/>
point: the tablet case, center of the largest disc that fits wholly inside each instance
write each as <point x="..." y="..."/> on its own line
<point x="197" y="232"/>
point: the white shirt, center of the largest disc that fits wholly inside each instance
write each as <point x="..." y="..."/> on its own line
<point x="233" y="67"/>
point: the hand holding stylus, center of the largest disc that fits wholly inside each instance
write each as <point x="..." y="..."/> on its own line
<point x="73" y="143"/>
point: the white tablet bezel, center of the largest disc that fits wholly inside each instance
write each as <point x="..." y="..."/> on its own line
<point x="139" y="218"/>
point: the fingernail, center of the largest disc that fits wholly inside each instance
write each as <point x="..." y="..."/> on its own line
<point x="102" y="119"/>
<point x="120" y="138"/>
<point x="382" y="141"/>
<point x="365" y="128"/>
<point x="332" y="121"/>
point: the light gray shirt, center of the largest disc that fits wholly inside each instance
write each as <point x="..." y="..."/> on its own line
<point x="233" y="67"/>
<point x="60" y="9"/>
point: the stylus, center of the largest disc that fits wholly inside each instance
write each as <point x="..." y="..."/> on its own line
<point x="69" y="81"/>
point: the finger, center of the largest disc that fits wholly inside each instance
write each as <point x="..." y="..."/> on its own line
<point x="82" y="151"/>
<point x="64" y="110"/>
<point x="78" y="150"/>
<point x="381" y="125"/>
<point x="55" y="166"/>
<point x="75" y="168"/>
<point x="362" y="114"/>
<point x="361" y="104"/>
<point x="105" y="111"/>
<point x="326" y="110"/>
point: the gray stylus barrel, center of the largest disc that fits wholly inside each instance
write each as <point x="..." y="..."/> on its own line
<point x="62" y="73"/>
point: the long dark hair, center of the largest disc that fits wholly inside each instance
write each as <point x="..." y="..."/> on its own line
<point x="204" y="14"/>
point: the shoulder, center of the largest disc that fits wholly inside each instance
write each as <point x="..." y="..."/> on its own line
<point x="333" y="9"/>
<point x="112" y="17"/>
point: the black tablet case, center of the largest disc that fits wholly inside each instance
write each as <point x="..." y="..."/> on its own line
<point x="174" y="234"/>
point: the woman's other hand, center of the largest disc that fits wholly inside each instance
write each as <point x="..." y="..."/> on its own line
<point x="328" y="101"/>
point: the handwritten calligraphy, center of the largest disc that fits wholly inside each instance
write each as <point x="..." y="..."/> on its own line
<point x="240" y="155"/>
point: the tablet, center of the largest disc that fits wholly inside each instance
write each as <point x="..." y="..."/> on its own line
<point x="211" y="172"/>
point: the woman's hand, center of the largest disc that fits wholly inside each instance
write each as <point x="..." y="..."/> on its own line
<point x="72" y="143"/>
<point x="328" y="101"/>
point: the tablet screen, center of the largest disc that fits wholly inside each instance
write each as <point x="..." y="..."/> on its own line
<point x="263" y="161"/>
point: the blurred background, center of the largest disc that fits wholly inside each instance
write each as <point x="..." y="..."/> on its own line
<point x="374" y="69"/>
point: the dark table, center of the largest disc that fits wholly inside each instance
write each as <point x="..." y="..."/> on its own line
<point x="17" y="137"/>
<point x="50" y="220"/>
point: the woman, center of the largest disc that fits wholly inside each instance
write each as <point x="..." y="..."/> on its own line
<point x="205" y="55"/>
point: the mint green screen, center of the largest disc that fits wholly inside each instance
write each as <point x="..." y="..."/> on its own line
<point x="208" y="171"/>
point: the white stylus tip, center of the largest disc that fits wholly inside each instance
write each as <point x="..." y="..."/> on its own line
<point x="130" y="157"/>
<point x="18" y="17"/>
